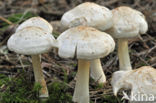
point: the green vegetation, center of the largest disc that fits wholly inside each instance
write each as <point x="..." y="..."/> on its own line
<point x="111" y="99"/>
<point x="20" y="89"/>
<point x="16" y="18"/>
<point x="17" y="89"/>
<point x="58" y="93"/>
<point x="56" y="34"/>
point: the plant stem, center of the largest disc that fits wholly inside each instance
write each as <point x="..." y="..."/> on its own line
<point x="97" y="72"/>
<point x="123" y="54"/>
<point x="81" y="93"/>
<point x="39" y="77"/>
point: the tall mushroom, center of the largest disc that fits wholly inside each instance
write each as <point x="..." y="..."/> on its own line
<point x="127" y="23"/>
<point x="140" y="81"/>
<point x="33" y="41"/>
<point x="93" y="15"/>
<point x="86" y="44"/>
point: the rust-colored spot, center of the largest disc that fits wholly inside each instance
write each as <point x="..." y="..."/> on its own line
<point x="82" y="28"/>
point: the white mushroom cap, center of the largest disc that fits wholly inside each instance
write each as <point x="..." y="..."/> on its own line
<point x="89" y="14"/>
<point x="31" y="40"/>
<point x="118" y="81"/>
<point x="127" y="23"/>
<point x="141" y="80"/>
<point x="38" y="22"/>
<point x="85" y="43"/>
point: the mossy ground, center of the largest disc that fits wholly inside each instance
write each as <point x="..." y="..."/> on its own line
<point x="20" y="89"/>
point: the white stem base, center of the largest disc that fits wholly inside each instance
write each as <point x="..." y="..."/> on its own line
<point x="123" y="54"/>
<point x="39" y="77"/>
<point x="81" y="93"/>
<point x="97" y="72"/>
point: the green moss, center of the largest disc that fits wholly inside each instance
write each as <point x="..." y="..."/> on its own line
<point x="17" y="89"/>
<point x="56" y="34"/>
<point x="73" y="74"/>
<point x="100" y="86"/>
<point x="3" y="79"/>
<point x="37" y="87"/>
<point x="111" y="99"/>
<point x="65" y="76"/>
<point x="58" y="93"/>
<point x="20" y="89"/>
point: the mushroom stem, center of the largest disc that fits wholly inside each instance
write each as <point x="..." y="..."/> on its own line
<point x="39" y="77"/>
<point x="81" y="93"/>
<point x="123" y="54"/>
<point x="97" y="72"/>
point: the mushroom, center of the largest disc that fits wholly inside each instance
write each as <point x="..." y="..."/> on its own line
<point x="89" y="14"/>
<point x="85" y="44"/>
<point x="37" y="22"/>
<point x="127" y="23"/>
<point x="33" y="41"/>
<point x="141" y="81"/>
<point x="93" y="15"/>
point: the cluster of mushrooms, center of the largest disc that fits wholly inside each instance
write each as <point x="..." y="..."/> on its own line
<point x="89" y="37"/>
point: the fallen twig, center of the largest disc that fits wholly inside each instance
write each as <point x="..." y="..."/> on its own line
<point x="5" y="20"/>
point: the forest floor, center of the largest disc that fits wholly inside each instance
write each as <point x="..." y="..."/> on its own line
<point x="16" y="73"/>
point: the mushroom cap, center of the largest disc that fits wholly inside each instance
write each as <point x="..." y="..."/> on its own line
<point x="118" y="82"/>
<point x="127" y="23"/>
<point x="38" y="22"/>
<point x="89" y="14"/>
<point x="31" y="41"/>
<point x="84" y="43"/>
<point x="141" y="80"/>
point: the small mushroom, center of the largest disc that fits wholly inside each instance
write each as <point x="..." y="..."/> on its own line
<point x="33" y="41"/>
<point x="141" y="81"/>
<point x="37" y="22"/>
<point x="85" y="44"/>
<point x="93" y="15"/>
<point x="127" y="23"/>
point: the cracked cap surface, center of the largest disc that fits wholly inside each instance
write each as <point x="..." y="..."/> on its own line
<point x="141" y="80"/>
<point x="84" y="43"/>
